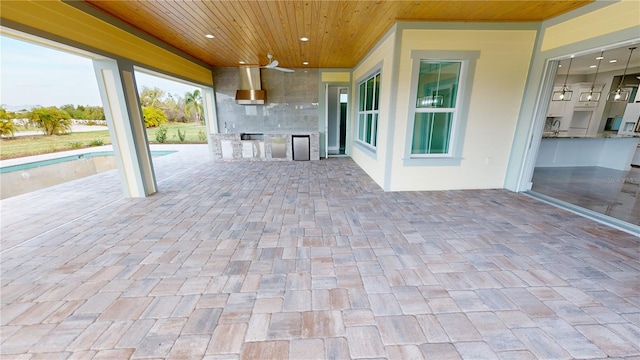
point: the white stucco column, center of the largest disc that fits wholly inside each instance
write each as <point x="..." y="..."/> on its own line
<point x="210" y="116"/>
<point x="126" y="126"/>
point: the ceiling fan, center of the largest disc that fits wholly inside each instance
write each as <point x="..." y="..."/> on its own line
<point x="273" y="64"/>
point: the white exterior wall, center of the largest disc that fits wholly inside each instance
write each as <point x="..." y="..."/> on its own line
<point x="374" y="164"/>
<point x="496" y="94"/>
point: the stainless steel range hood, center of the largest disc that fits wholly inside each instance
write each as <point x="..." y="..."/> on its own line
<point x="250" y="92"/>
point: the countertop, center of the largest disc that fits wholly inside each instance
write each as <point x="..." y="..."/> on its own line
<point x="550" y="135"/>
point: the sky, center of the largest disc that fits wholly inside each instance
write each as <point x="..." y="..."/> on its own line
<point x="36" y="75"/>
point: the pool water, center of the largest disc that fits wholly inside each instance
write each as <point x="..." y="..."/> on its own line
<point x="24" y="178"/>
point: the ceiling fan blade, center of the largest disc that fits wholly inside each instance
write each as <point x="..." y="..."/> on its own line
<point x="284" y="69"/>
<point x="272" y="64"/>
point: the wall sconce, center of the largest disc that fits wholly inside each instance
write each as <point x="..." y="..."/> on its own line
<point x="621" y="94"/>
<point x="564" y="94"/>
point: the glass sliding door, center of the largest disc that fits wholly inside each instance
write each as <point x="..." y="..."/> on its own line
<point x="589" y="155"/>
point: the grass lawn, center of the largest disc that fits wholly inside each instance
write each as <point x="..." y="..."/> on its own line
<point x="33" y="145"/>
<point x="194" y="132"/>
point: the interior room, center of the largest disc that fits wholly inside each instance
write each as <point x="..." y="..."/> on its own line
<point x="589" y="153"/>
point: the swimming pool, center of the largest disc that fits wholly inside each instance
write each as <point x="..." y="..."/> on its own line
<point x="27" y="177"/>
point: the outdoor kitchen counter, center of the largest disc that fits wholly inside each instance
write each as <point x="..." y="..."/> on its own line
<point x="261" y="146"/>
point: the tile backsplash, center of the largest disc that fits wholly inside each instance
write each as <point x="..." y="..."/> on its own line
<point x="292" y="101"/>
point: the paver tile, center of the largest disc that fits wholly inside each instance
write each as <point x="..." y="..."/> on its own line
<point x="202" y="321"/>
<point x="404" y="352"/>
<point x="384" y="304"/>
<point x="440" y="351"/>
<point x="268" y="305"/>
<point x="22" y="340"/>
<point x="307" y="259"/>
<point x="458" y="327"/>
<point x="112" y="335"/>
<point x="336" y="348"/>
<point x="629" y="332"/>
<point x="36" y="313"/>
<point x="306" y="349"/>
<point x="278" y="349"/>
<point x="136" y="332"/>
<point x="364" y="342"/>
<point x="154" y="346"/>
<point x="227" y="338"/>
<point x="398" y="330"/>
<point x="516" y="355"/>
<point x="358" y="317"/>
<point x="605" y="339"/>
<point x="576" y="344"/>
<point x="125" y="309"/>
<point x="297" y="300"/>
<point x="111" y="354"/>
<point x="475" y="350"/>
<point x="13" y="310"/>
<point x="541" y="344"/>
<point x="89" y="336"/>
<point x="258" y="327"/>
<point x="285" y="326"/>
<point x="98" y="303"/>
<point x="322" y="324"/>
<point x="57" y="340"/>
<point x="321" y="299"/>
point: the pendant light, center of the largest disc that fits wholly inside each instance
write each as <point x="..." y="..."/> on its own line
<point x="591" y="96"/>
<point x="564" y="94"/>
<point x="620" y="94"/>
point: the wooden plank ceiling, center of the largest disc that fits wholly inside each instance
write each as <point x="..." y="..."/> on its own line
<point x="340" y="32"/>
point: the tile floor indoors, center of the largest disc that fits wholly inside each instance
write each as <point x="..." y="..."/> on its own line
<point x="607" y="191"/>
<point x="307" y="260"/>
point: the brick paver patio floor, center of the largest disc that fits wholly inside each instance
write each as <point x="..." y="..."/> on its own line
<point x="307" y="260"/>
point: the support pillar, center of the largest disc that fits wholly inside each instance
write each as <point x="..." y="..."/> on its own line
<point x="210" y="117"/>
<point x="121" y="105"/>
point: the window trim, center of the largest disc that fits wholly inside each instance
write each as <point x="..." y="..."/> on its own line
<point x="376" y="71"/>
<point x="467" y="60"/>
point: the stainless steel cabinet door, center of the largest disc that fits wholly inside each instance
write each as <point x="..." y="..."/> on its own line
<point x="300" y="147"/>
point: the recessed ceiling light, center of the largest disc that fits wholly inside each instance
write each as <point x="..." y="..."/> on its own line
<point x="241" y="62"/>
<point x="304" y="38"/>
<point x="613" y="61"/>
<point x="592" y="66"/>
<point x="560" y="65"/>
<point x="600" y="58"/>
<point x="305" y="63"/>
<point x="209" y="36"/>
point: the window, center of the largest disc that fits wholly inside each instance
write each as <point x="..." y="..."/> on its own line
<point x="438" y="101"/>
<point x="436" y="108"/>
<point x="369" y="99"/>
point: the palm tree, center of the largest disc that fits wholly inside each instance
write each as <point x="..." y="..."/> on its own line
<point x="193" y="101"/>
<point x="51" y="120"/>
<point x="7" y="127"/>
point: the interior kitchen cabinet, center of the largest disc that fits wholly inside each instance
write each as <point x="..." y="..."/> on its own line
<point x="580" y="121"/>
